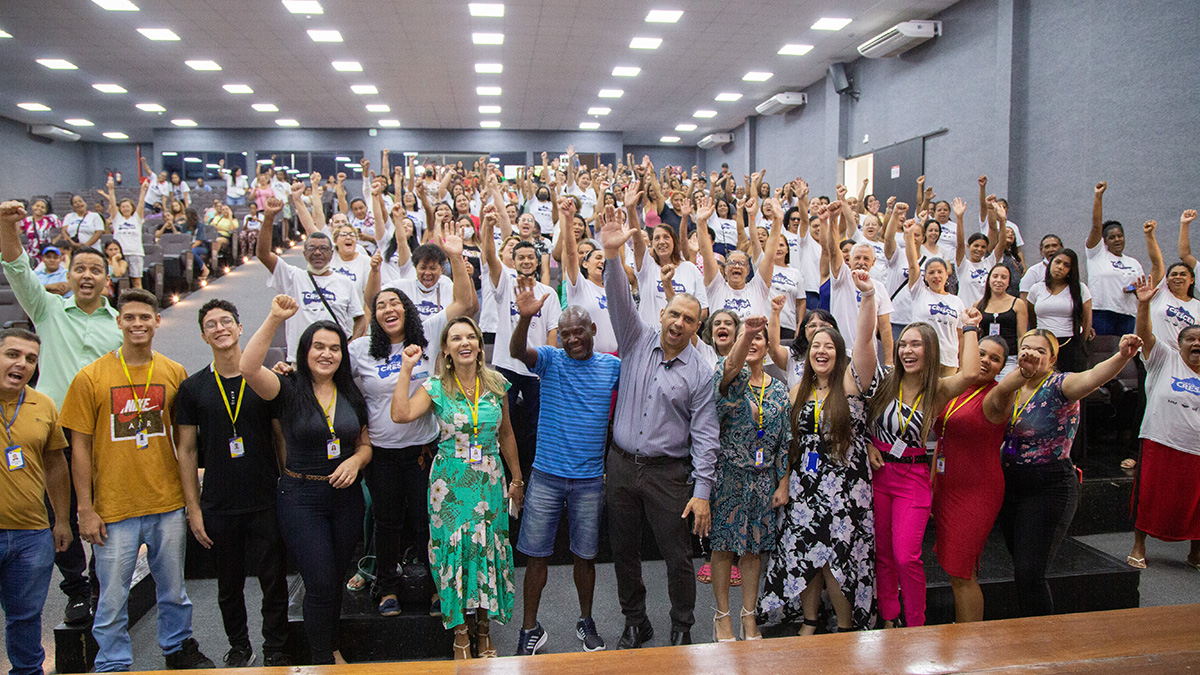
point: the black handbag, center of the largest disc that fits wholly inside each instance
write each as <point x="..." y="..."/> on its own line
<point x="416" y="585"/>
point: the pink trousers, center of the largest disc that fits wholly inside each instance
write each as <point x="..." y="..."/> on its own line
<point x="903" y="497"/>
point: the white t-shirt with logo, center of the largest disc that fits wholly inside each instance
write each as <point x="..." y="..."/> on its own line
<point x="786" y="281"/>
<point x="591" y="297"/>
<point x="487" y="301"/>
<point x="587" y="200"/>
<point x="543" y="214"/>
<point x="1110" y="275"/>
<point x="845" y="300"/>
<point x="750" y="300"/>
<point x="1169" y="316"/>
<point x="128" y="233"/>
<point x="809" y="263"/>
<point x="652" y="295"/>
<point x="1172" y="401"/>
<point x="972" y="278"/>
<point x="725" y="233"/>
<point x="897" y="285"/>
<point x="339" y="294"/>
<point x="507" y="316"/>
<point x="944" y="313"/>
<point x="81" y="228"/>
<point x="355" y="270"/>
<point x="429" y="301"/>
<point x="377" y="379"/>
<point x="1054" y="311"/>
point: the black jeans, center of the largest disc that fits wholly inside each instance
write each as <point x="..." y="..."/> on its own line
<point x="250" y="540"/>
<point x="523" y="407"/>
<point x="73" y="563"/>
<point x="321" y="526"/>
<point x="399" y="499"/>
<point x="1039" y="503"/>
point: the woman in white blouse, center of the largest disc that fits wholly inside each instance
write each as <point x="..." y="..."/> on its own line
<point x="236" y="184"/>
<point x="1111" y="273"/>
<point x="1175" y="307"/>
<point x="1062" y="305"/>
<point x="932" y="303"/>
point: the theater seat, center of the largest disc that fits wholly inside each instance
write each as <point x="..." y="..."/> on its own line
<point x="11" y="314"/>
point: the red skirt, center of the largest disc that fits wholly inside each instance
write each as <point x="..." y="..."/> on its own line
<point x="1166" y="498"/>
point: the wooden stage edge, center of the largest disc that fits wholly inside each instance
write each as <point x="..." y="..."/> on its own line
<point x="1162" y="640"/>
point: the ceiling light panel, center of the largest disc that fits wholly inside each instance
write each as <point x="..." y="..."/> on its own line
<point x="704" y="114"/>
<point x="287" y="122"/>
<point x="685" y="127"/>
<point x="599" y="111"/>
<point x="830" y="24"/>
<point x="663" y="16"/>
<point x="728" y="96"/>
<point x="116" y="135"/>
<point x="611" y="93"/>
<point x="589" y="125"/>
<point x="238" y="89"/>
<point x="79" y="122"/>
<point x="489" y="124"/>
<point x="669" y="139"/>
<point x="303" y="6"/>
<point x="795" y="50"/>
<point x="265" y="107"/>
<point x="151" y="107"/>
<point x="487" y="38"/>
<point x="489" y="110"/>
<point x="489" y="68"/>
<point x="389" y="123"/>
<point x="5" y="34"/>
<point x="184" y="123"/>
<point x="757" y="76"/>
<point x="487" y="91"/>
<point x="203" y="65"/>
<point x="58" y="64"/>
<point x="318" y="35"/>
<point x="110" y="88"/>
<point x="378" y="107"/>
<point x="117" y="5"/>
<point x="159" y="34"/>
<point x="347" y="66"/>
<point x="488" y="9"/>
<point x="34" y="107"/>
<point x="364" y="89"/>
<point x="645" y="43"/>
<point x="626" y="71"/>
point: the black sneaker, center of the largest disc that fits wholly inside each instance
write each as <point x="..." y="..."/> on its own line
<point x="240" y="657"/>
<point x="531" y="640"/>
<point x="276" y="659"/>
<point x="585" y="629"/>
<point x="79" y="609"/>
<point x="189" y="657"/>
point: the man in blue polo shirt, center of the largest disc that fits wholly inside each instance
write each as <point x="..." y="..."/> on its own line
<point x="577" y="395"/>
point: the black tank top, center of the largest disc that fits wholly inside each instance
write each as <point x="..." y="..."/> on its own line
<point x="1007" y="321"/>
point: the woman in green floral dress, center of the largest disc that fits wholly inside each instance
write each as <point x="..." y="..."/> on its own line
<point x="469" y="549"/>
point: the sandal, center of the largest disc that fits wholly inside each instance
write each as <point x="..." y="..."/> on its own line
<point x="483" y="640"/>
<point x="356" y="583"/>
<point x="1139" y="563"/>
<point x="461" y="635"/>
<point x="809" y="623"/>
<point x="735" y="576"/>
<point x="1195" y="564"/>
<point x="1128" y="463"/>
<point x="704" y="576"/>
<point x="717" y="617"/>
<point x="746" y="613"/>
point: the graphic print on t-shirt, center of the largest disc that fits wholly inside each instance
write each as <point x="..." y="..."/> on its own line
<point x="1179" y="316"/>
<point x="126" y="422"/>
<point x="936" y="308"/>
<point x="310" y="297"/>
<point x="349" y="274"/>
<point x="1190" y="385"/>
<point x="393" y="363"/>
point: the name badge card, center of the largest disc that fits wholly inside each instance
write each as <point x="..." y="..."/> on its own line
<point x="333" y="448"/>
<point x="14" y="457"/>
<point x="236" y="447"/>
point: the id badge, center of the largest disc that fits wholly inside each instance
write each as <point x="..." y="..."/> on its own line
<point x="333" y="448"/>
<point x="142" y="439"/>
<point x="15" y="458"/>
<point x="941" y="465"/>
<point x="236" y="447"/>
<point x="475" y="455"/>
<point x="758" y="457"/>
<point x="898" y="448"/>
<point x="993" y="328"/>
<point x="810" y="461"/>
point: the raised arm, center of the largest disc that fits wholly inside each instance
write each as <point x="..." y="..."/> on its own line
<point x="864" y="358"/>
<point x="766" y="268"/>
<point x="753" y="325"/>
<point x="570" y="250"/>
<point x="895" y="221"/>
<point x="264" y="249"/>
<point x="487" y="244"/>
<point x="1185" y="244"/>
<point x="109" y="195"/>
<point x="1078" y="385"/>
<point x="302" y="213"/>
<point x="996" y="236"/>
<point x="1146" y="290"/>
<point x="705" y="241"/>
<point x="528" y="305"/>
<point x="779" y="353"/>
<point x="1157" y="269"/>
<point x="140" y="207"/>
<point x="960" y="209"/>
<point x="261" y="379"/>
<point x="407" y="408"/>
<point x="983" y="200"/>
<point x="464" y="302"/>
<point x="444" y="185"/>
<point x="739" y="221"/>
<point x="910" y="247"/>
<point x="861" y="206"/>
<point x="621" y="310"/>
<point x="339" y="189"/>
<point x="1097" y="231"/>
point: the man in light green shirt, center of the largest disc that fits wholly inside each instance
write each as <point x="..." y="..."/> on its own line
<point x="74" y="331"/>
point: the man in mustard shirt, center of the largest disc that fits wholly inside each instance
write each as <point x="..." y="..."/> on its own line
<point x="120" y="412"/>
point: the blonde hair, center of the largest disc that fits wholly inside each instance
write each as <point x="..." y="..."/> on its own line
<point x="1045" y="335"/>
<point x="492" y="381"/>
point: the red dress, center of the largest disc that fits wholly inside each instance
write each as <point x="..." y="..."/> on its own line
<point x="967" y="496"/>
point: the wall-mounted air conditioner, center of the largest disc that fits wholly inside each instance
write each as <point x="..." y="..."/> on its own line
<point x="782" y="102"/>
<point x="715" y="141"/>
<point x="900" y="38"/>
<point x="54" y="133"/>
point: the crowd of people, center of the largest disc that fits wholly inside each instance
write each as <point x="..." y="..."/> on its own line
<point x="463" y="349"/>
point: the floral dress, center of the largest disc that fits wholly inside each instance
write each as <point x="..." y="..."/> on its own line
<point x="829" y="520"/>
<point x="469" y="549"/>
<point x="742" y="518"/>
<point x="36" y="233"/>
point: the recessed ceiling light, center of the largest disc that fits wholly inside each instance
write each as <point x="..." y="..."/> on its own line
<point x="830" y="24"/>
<point x="669" y="139"/>
<point x="389" y="123"/>
<point x="116" y="135"/>
<point x="170" y="153"/>
<point x="151" y="107"/>
<point x="705" y="113"/>
<point x="347" y="66"/>
<point x="728" y="96"/>
<point x="611" y="93"/>
<point x="160" y="34"/>
<point x="192" y="160"/>
<point x="645" y="43"/>
<point x="79" y="122"/>
<point x="324" y="35"/>
<point x="626" y="71"/>
<point x="757" y="76"/>
<point x="363" y="89"/>
<point x="795" y="50"/>
<point x="487" y="91"/>
<point x="487" y="38"/>
<point x="663" y="16"/>
<point x="303" y="6"/>
<point x="110" y="88"/>
<point x="117" y="5"/>
<point x="238" y="89"/>
<point x="378" y="107"/>
<point x="287" y="122"/>
<point x="57" y="64"/>
<point x="5" y="34"/>
<point x="203" y="65"/>
<point x="599" y="111"/>
<point x="341" y="159"/>
<point x="685" y="127"/>
<point x="184" y="123"/>
<point x="589" y="125"/>
<point x="489" y="110"/>
<point x="265" y="107"/>
<point x="489" y="68"/>
<point x="34" y="107"/>
<point x="490" y="124"/>
<point x="486" y="8"/>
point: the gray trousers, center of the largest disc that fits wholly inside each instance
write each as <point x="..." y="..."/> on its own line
<point x="657" y="493"/>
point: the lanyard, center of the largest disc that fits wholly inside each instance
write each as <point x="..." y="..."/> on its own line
<point x="233" y="412"/>
<point x="911" y="411"/>
<point x="761" y="392"/>
<point x="817" y="403"/>
<point x="8" y="424"/>
<point x="137" y="401"/>
<point x="951" y="409"/>
<point x="1019" y="409"/>
<point x="473" y="405"/>
<point x="324" y="408"/>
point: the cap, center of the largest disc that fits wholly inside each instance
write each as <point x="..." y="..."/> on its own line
<point x="51" y="249"/>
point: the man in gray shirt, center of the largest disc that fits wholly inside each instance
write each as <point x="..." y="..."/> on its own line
<point x="665" y="437"/>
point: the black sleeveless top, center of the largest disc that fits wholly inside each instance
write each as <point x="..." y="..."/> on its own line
<point x="1007" y="321"/>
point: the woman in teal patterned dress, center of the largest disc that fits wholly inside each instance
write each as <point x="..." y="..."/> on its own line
<point x="751" y="480"/>
<point x="469" y="548"/>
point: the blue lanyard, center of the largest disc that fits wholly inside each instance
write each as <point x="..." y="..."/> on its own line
<point x="8" y="424"/>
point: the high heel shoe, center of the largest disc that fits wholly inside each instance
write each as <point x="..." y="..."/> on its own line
<point x="462" y="651"/>
<point x="483" y="640"/>
<point x="717" y="617"/>
<point x="744" y="615"/>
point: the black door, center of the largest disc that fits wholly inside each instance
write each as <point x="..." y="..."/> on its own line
<point x="896" y="168"/>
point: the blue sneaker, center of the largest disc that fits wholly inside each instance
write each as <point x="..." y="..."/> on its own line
<point x="531" y="640"/>
<point x="585" y="629"/>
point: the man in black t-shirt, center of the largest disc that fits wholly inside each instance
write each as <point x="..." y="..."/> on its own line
<point x="226" y="423"/>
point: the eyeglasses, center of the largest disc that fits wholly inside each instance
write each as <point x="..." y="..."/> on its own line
<point x="318" y="249"/>
<point x="736" y="263"/>
<point x="224" y="322"/>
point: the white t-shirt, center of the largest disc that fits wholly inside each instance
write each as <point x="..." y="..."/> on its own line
<point x="355" y="270"/>
<point x="128" y="233"/>
<point x="377" y="379"/>
<point x="1054" y="311"/>
<point x="1034" y="275"/>
<point x="487" y="302"/>
<point x="429" y="301"/>
<point x="252" y="223"/>
<point x="707" y="354"/>
<point x="591" y="297"/>
<point x="179" y="191"/>
<point x="725" y="231"/>
<point x="1169" y="315"/>
<point x="785" y="281"/>
<point x="972" y="278"/>
<point x="897" y="285"/>
<point x="845" y="301"/>
<point x="507" y="316"/>
<point x="809" y="263"/>
<point x="944" y="313"/>
<point x="365" y="226"/>
<point x="795" y="369"/>
<point x="879" y="271"/>
<point x="587" y="200"/>
<point x="1110" y="274"/>
<point x="543" y="214"/>
<point x="235" y="188"/>
<point x="983" y="229"/>
<point x="156" y="190"/>
<point x="949" y="240"/>
<point x="81" y="228"/>
<point x="652" y="295"/>
<point x="751" y="300"/>
<point x="339" y="294"/>
<point x="1172" y="401"/>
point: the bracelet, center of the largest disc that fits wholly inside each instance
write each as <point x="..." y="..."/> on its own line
<point x="517" y="484"/>
<point x="866" y="295"/>
<point x="970" y="329"/>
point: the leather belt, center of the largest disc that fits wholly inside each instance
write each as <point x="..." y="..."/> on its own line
<point x="305" y="476"/>
<point x="643" y="460"/>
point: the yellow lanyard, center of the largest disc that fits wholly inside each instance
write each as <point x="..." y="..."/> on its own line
<point x="1018" y="408"/>
<point x="911" y="411"/>
<point x="233" y="412"/>
<point x="761" y="392"/>
<point x="817" y="403"/>
<point x="137" y="400"/>
<point x="951" y="409"/>
<point x="474" y="405"/>
<point x="324" y="408"/>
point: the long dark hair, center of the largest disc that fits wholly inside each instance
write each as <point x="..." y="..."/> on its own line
<point x="676" y="256"/>
<point x="987" y="286"/>
<point x="343" y="378"/>
<point x="1191" y="291"/>
<point x="889" y="387"/>
<point x="1072" y="285"/>
<point x="800" y="342"/>
<point x="414" y="330"/>
<point x="394" y="245"/>
<point x="836" y="430"/>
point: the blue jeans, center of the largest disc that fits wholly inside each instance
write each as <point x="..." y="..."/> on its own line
<point x="1108" y="322"/>
<point x="26" y="562"/>
<point x="164" y="535"/>
<point x="235" y="201"/>
<point x="544" y="501"/>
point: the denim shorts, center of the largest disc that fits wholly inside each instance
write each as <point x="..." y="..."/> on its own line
<point x="545" y="497"/>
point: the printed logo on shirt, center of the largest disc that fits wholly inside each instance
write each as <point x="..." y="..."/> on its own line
<point x="603" y="300"/>
<point x="679" y="288"/>
<point x="310" y="297"/>
<point x="514" y="312"/>
<point x="1120" y="265"/>
<point x="395" y="361"/>
<point x="346" y="273"/>
<point x="1190" y="385"/>
<point x="737" y="305"/>
<point x="427" y="309"/>
<point x="125" y="420"/>
<point x="781" y="279"/>
<point x="979" y="274"/>
<point x="942" y="308"/>
<point x="1180" y="315"/>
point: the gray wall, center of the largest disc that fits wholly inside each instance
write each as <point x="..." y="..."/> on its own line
<point x="35" y="166"/>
